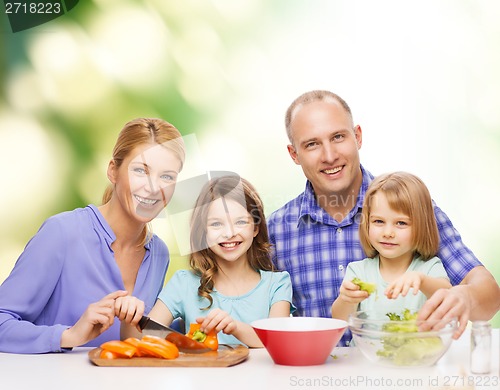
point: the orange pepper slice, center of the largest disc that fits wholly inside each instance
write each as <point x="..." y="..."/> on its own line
<point x="158" y="340"/>
<point x="105" y="354"/>
<point x="120" y="347"/>
<point x="148" y="346"/>
<point x="171" y="347"/>
<point x="158" y="350"/>
<point x="135" y="342"/>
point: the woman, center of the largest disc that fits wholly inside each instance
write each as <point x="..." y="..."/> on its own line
<point x="65" y="288"/>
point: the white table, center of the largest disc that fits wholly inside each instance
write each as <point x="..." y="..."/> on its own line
<point x="350" y="370"/>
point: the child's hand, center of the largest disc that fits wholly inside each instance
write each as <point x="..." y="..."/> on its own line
<point x="351" y="293"/>
<point x="129" y="309"/>
<point x="219" y="320"/>
<point x="403" y="284"/>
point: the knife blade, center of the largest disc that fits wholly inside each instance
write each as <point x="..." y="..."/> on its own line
<point x="184" y="343"/>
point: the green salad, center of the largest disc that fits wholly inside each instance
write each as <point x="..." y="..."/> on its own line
<point x="403" y="350"/>
<point x="365" y="286"/>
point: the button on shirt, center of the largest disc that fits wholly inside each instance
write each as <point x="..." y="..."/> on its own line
<point x="315" y="249"/>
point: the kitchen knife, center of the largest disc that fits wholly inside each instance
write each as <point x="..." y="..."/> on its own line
<point x="184" y="343"/>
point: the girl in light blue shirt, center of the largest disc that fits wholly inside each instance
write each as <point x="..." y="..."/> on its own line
<point x="398" y="232"/>
<point x="231" y="281"/>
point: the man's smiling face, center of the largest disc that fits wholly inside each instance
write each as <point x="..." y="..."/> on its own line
<point x="326" y="145"/>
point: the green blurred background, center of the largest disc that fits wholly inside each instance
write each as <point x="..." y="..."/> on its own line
<point x="421" y="78"/>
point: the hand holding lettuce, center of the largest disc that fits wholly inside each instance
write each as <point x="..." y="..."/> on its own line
<point x="365" y="286"/>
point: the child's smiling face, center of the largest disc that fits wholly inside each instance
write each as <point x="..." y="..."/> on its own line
<point x="390" y="231"/>
<point x="230" y="230"/>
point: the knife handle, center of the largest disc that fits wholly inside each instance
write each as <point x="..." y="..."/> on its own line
<point x="143" y="321"/>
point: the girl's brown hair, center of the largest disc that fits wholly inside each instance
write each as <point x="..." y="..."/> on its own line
<point x="407" y="194"/>
<point x="142" y="131"/>
<point x="203" y="260"/>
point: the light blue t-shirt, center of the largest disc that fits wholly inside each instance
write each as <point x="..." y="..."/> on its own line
<point x="181" y="297"/>
<point x="377" y="303"/>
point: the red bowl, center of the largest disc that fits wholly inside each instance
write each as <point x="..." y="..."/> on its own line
<point x="299" y="341"/>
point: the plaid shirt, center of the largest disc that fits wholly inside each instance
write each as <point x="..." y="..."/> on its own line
<point x="315" y="249"/>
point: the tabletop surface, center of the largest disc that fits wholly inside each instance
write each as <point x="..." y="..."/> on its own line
<point x="348" y="370"/>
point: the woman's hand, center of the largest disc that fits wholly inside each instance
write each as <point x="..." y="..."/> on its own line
<point x="129" y="310"/>
<point x="219" y="320"/>
<point x="98" y="317"/>
<point x="403" y="284"/>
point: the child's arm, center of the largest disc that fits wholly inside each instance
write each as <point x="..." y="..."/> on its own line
<point x="418" y="281"/>
<point x="127" y="331"/>
<point x="160" y="313"/>
<point x="250" y="338"/>
<point x="245" y="333"/>
<point x="347" y="302"/>
<point x="280" y="309"/>
<point x="221" y="321"/>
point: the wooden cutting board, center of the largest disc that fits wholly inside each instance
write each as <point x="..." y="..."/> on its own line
<point x="225" y="356"/>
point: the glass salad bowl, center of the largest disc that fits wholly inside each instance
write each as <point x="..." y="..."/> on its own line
<point x="399" y="341"/>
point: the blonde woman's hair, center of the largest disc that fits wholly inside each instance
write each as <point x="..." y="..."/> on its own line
<point x="203" y="260"/>
<point x="142" y="131"/>
<point x="407" y="194"/>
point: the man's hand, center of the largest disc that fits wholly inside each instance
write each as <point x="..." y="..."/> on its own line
<point x="477" y="297"/>
<point x="446" y="304"/>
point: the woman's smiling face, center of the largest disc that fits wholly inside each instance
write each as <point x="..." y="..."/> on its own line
<point x="145" y="182"/>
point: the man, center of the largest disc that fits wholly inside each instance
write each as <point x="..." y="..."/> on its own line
<point x="315" y="235"/>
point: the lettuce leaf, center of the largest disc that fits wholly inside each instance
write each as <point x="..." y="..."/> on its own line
<point x="404" y="350"/>
<point x="365" y="286"/>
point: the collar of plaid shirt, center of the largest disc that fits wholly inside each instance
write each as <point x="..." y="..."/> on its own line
<point x="310" y="210"/>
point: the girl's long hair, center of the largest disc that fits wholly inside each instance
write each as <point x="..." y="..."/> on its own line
<point x="203" y="260"/>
